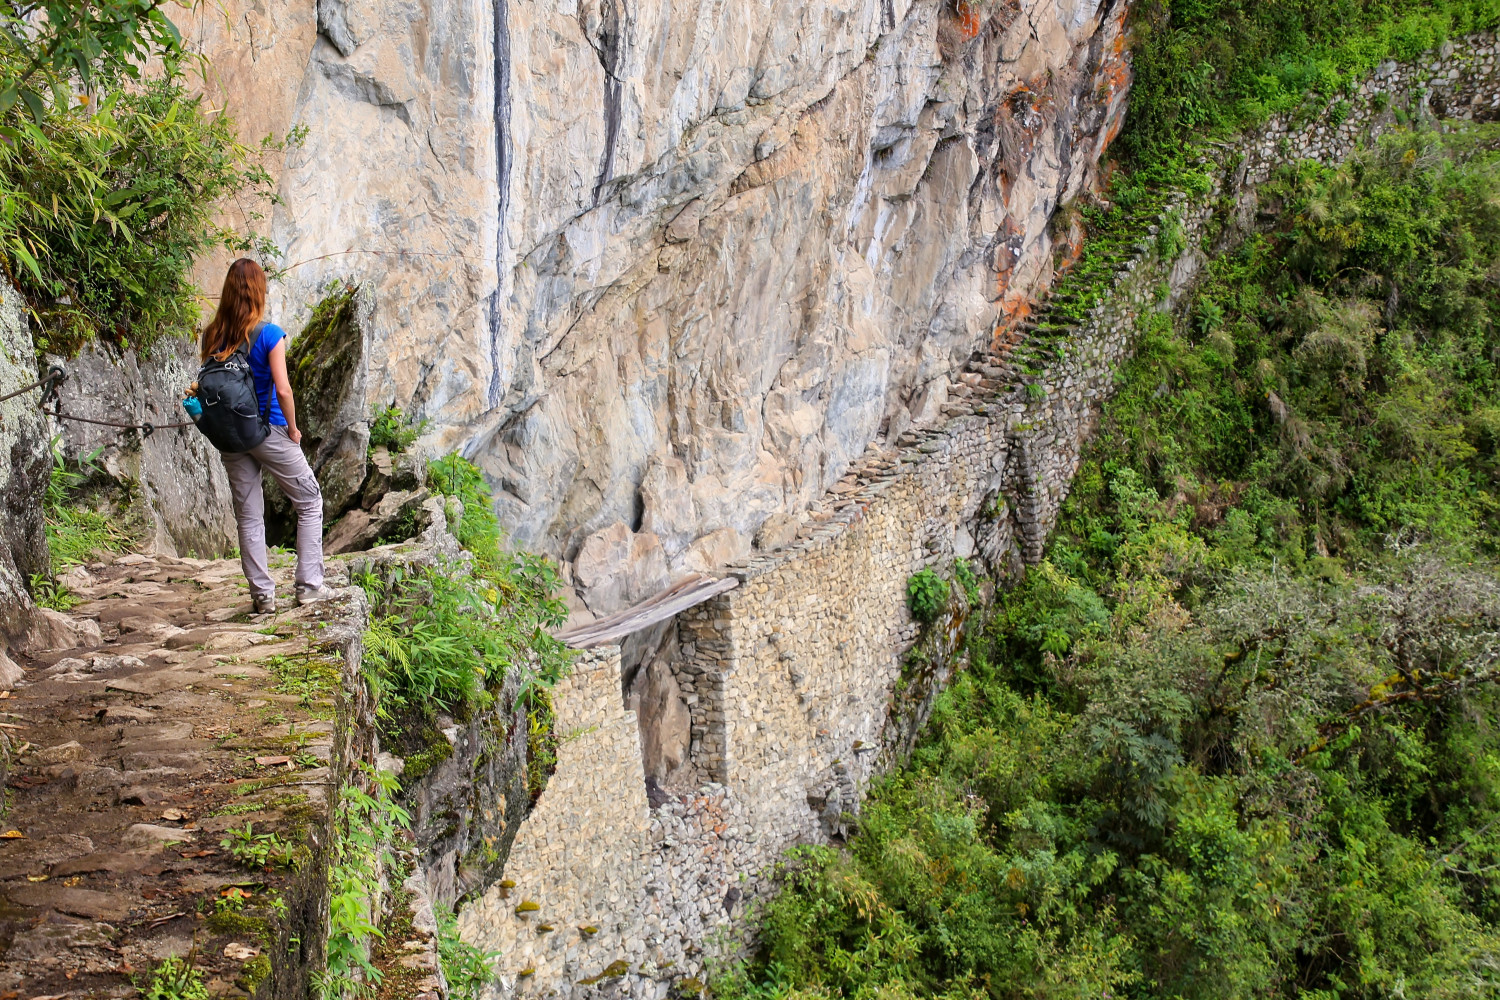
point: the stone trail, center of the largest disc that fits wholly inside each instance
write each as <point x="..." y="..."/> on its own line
<point x="152" y="720"/>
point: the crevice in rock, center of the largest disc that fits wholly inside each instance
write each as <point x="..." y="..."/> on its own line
<point x="608" y="49"/>
<point x="501" y="54"/>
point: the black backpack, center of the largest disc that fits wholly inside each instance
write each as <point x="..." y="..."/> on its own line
<point x="232" y="417"/>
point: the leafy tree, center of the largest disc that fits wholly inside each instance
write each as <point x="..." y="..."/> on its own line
<point x="47" y="44"/>
<point x="106" y="198"/>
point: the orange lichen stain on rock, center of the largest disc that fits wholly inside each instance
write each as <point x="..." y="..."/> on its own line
<point x="969" y="21"/>
<point x="1069" y="250"/>
<point x="1115" y="77"/>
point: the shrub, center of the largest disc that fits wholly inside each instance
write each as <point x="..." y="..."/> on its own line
<point x="48" y="45"/>
<point x="927" y="595"/>
<point x="468" y="969"/>
<point x="1206" y="68"/>
<point x="965" y="577"/>
<point x="102" y="212"/>
<point x="366" y="821"/>
<point x="391" y="429"/>
<point x="446" y="639"/>
<point x="76" y="531"/>
<point x="479" y="531"/>
<point x="257" y="850"/>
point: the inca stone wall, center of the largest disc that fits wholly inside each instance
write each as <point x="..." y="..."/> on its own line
<point x="791" y="675"/>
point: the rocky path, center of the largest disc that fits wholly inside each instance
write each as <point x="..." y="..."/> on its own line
<point x="154" y="721"/>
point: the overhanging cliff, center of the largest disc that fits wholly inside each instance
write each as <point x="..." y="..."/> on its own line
<point x="664" y="272"/>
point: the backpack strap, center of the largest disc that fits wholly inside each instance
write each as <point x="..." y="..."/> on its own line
<point x="265" y="411"/>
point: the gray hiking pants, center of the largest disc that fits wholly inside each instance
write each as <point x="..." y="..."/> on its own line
<point x="284" y="460"/>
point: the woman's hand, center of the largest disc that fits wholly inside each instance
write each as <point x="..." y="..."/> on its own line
<point x="294" y="434"/>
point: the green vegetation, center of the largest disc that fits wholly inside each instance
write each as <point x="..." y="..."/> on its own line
<point x="365" y="827"/>
<point x="76" y="531"/>
<point x="391" y="429"/>
<point x="257" y="850"/>
<point x="927" y="595"/>
<point x="310" y="675"/>
<point x="447" y="639"/>
<point x="541" y="741"/>
<point x="467" y="968"/>
<point x="232" y="899"/>
<point x="50" y="594"/>
<point x="1207" y="68"/>
<point x="175" y="979"/>
<point x="48" y="46"/>
<point x="109" y="176"/>
<point x="1239" y="734"/>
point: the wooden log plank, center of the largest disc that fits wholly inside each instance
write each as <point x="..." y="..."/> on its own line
<point x="688" y="592"/>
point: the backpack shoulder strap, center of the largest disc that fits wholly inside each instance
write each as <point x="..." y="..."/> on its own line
<point x="244" y="351"/>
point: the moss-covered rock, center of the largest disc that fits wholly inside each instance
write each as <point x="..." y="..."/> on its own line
<point x="327" y="366"/>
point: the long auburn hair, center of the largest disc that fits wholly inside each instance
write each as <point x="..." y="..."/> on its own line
<point x="241" y="307"/>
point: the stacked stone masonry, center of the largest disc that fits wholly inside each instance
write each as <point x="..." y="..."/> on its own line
<point x="794" y="670"/>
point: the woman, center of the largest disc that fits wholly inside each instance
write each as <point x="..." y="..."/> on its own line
<point x="240" y="321"/>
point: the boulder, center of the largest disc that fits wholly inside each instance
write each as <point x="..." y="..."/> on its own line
<point x="55" y="630"/>
<point x="617" y="567"/>
<point x="378" y="477"/>
<point x="714" y="551"/>
<point x="63" y="753"/>
<point x="10" y="671"/>
<point x="777" y="532"/>
<point x="172" y="481"/>
<point x="45" y="941"/>
<point x="148" y="837"/>
<point x="396" y="517"/>
<point x="666" y="725"/>
<point x="388" y="472"/>
<point x="667" y="504"/>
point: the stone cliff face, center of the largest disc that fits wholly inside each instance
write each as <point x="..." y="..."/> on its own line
<point x="663" y="270"/>
<point x="23" y="476"/>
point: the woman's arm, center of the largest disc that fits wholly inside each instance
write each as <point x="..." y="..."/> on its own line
<point x="277" y="358"/>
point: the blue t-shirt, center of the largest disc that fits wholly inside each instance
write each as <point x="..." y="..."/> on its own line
<point x="265" y="341"/>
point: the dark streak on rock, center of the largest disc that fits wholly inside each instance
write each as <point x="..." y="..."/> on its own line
<point x="502" y="184"/>
<point x="611" y="38"/>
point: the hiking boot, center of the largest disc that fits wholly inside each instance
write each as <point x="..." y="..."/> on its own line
<point x="265" y="605"/>
<point x="312" y="595"/>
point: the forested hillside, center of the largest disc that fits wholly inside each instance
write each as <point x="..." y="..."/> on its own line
<point x="1237" y="735"/>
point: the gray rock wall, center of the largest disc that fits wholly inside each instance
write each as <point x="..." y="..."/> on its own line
<point x="789" y="678"/>
<point x="667" y="269"/>
<point x="24" y="468"/>
<point x="174" y="478"/>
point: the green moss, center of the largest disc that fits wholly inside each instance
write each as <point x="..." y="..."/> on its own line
<point x="241" y="924"/>
<point x="436" y="750"/>
<point x="255" y="972"/>
<point x="329" y="340"/>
